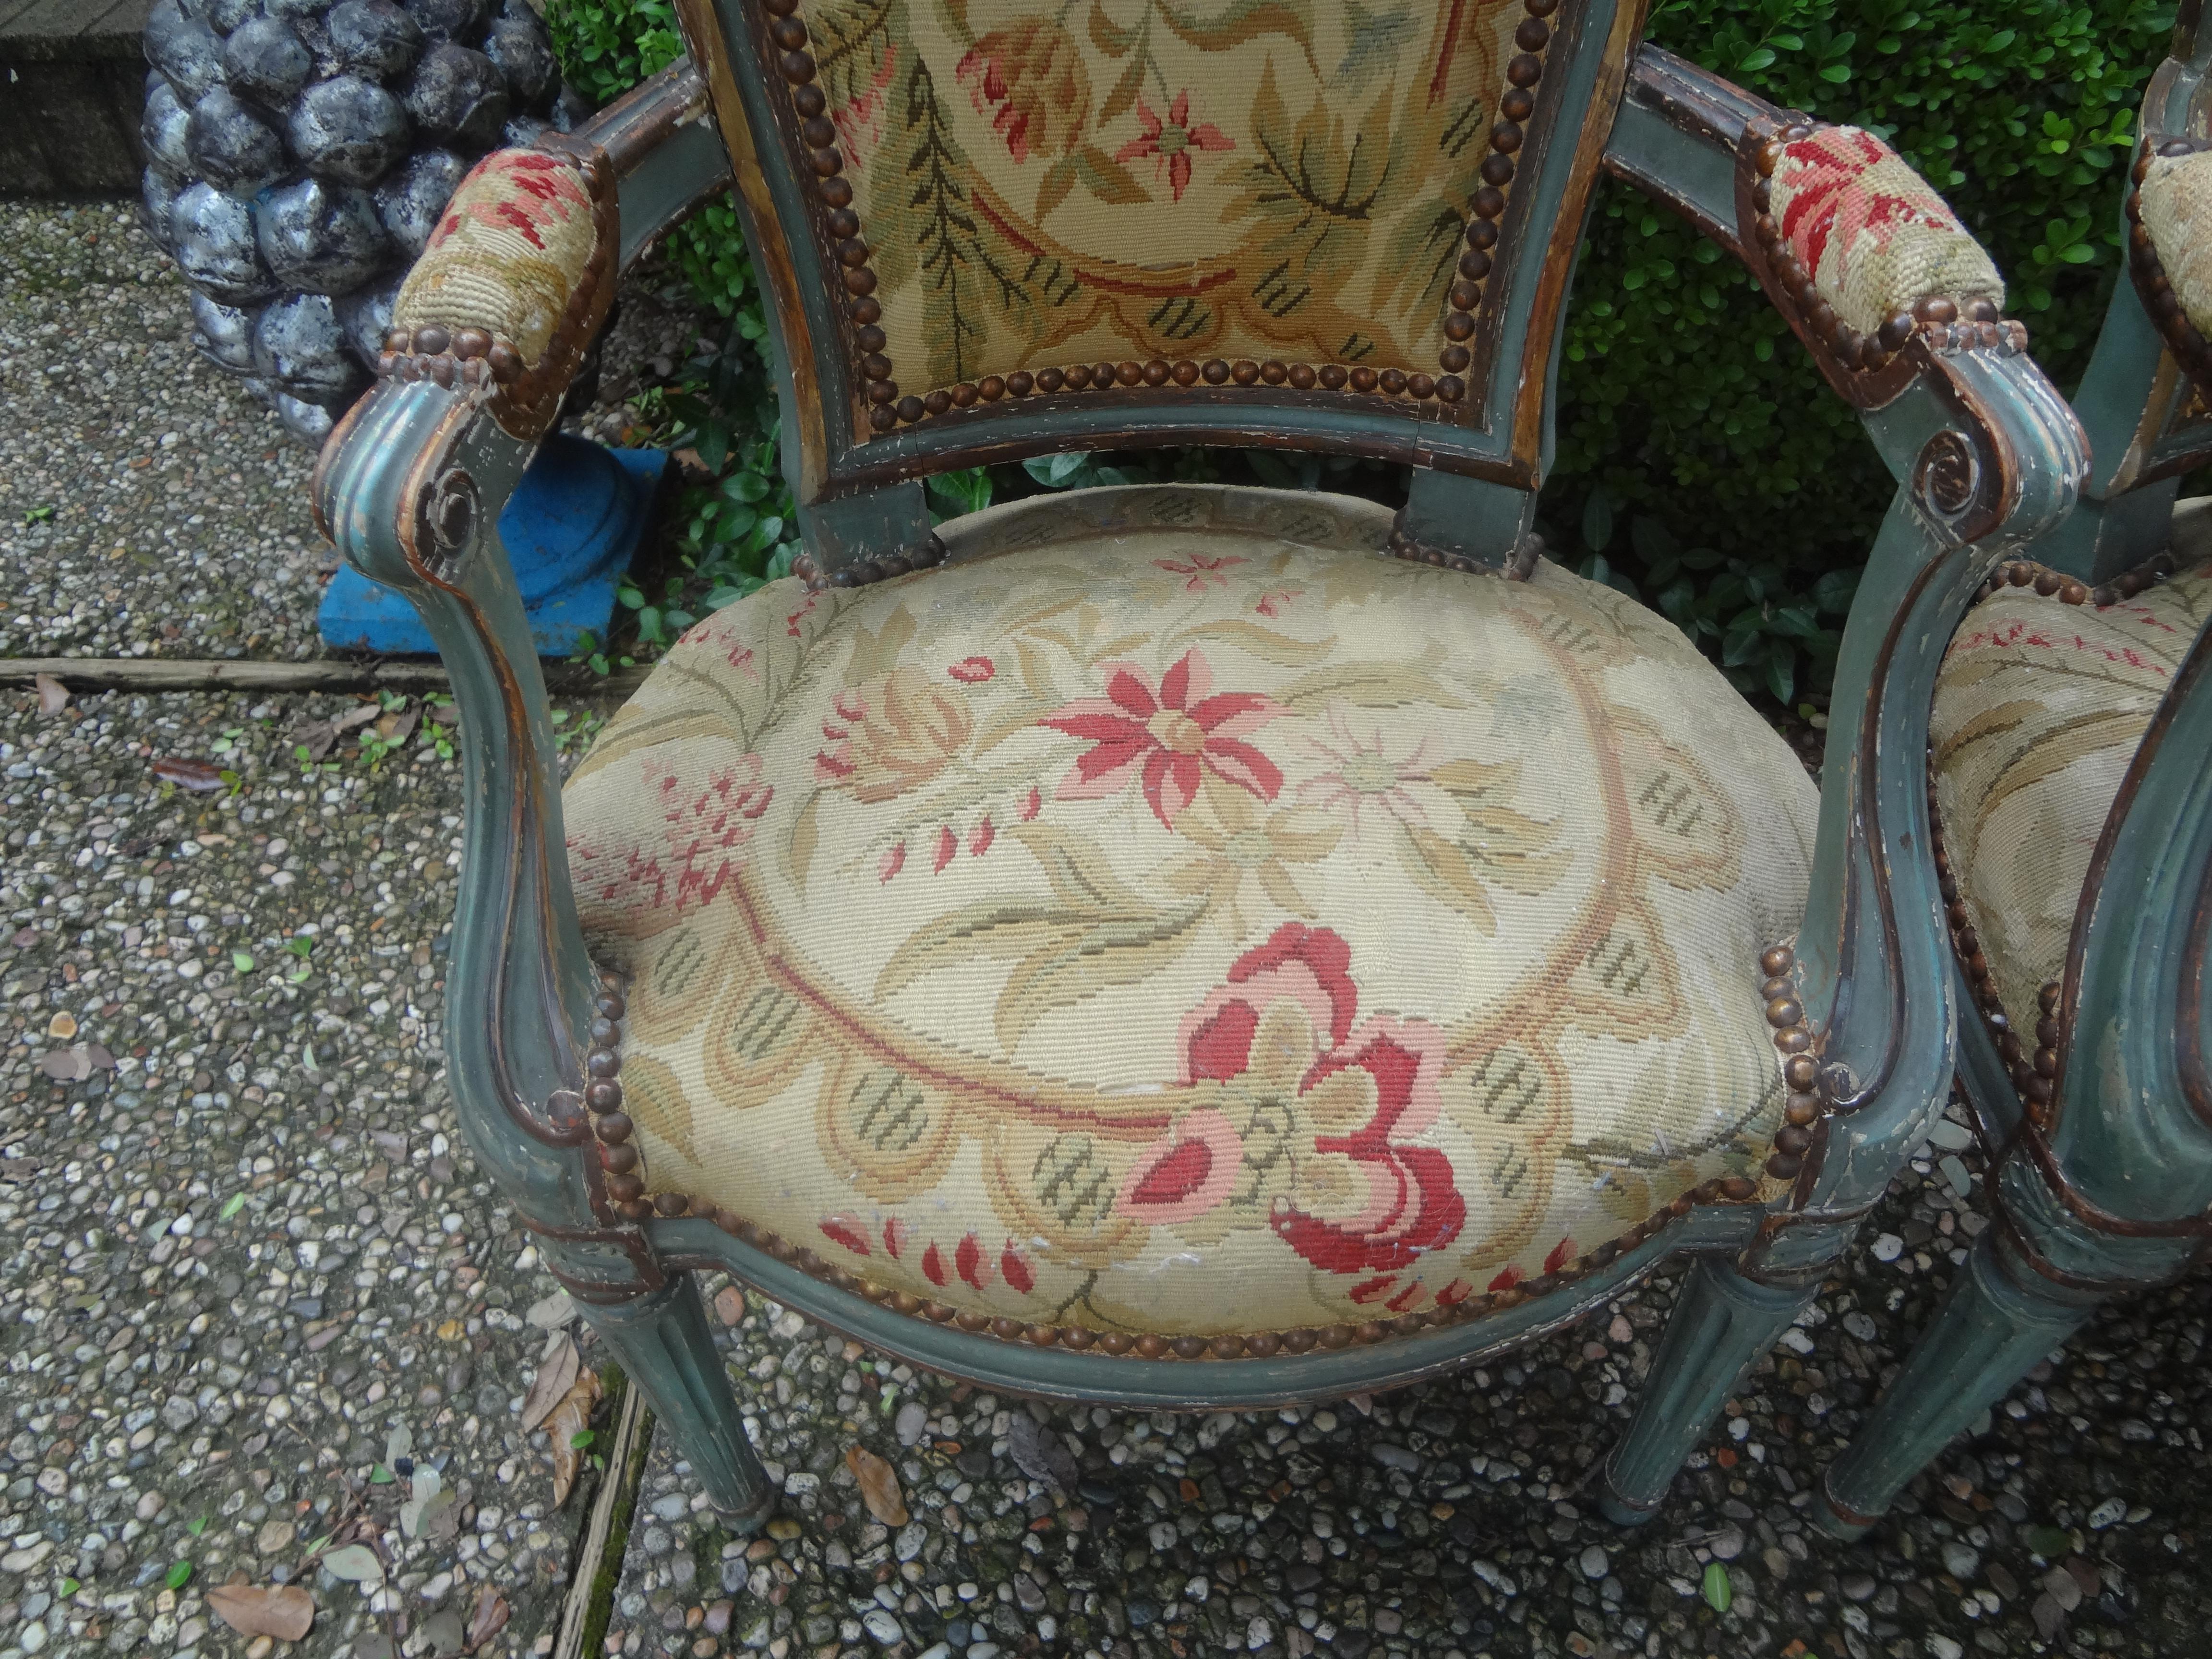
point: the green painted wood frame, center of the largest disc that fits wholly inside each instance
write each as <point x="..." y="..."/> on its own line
<point x="1987" y="457"/>
<point x="2102" y="1175"/>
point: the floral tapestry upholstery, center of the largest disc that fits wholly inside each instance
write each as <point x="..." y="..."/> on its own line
<point x="516" y="240"/>
<point x="1171" y="916"/>
<point x="2039" y="707"/>
<point x="2175" y="198"/>
<point x="1873" y="233"/>
<point x="1040" y="185"/>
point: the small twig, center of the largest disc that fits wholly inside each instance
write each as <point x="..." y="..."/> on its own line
<point x="247" y="674"/>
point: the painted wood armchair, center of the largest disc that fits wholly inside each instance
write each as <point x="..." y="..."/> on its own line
<point x="1187" y="946"/>
<point x="2072" y="720"/>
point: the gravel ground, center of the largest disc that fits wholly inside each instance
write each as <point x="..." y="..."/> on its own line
<point x="243" y="1246"/>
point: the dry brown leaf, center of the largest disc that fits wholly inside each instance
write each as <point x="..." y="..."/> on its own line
<point x="54" y="696"/>
<point x="196" y="776"/>
<point x="570" y="1418"/>
<point x="879" y="1485"/>
<point x="557" y="1374"/>
<point x="286" y="1612"/>
<point x="488" y="1619"/>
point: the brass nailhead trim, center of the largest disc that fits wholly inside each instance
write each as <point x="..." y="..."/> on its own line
<point x="888" y="409"/>
<point x="2070" y="590"/>
<point x="1939" y="319"/>
<point x="1518" y="103"/>
<point x="923" y="555"/>
<point x="624" y="1177"/>
<point x="1519" y="565"/>
<point x="1793" y="1038"/>
<point x="471" y="357"/>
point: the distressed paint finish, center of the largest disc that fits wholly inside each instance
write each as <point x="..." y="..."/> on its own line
<point x="1986" y="455"/>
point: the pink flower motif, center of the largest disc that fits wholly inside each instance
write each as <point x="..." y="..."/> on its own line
<point x="860" y="122"/>
<point x="947" y="845"/>
<point x="1172" y="736"/>
<point x="980" y="837"/>
<point x="892" y="862"/>
<point x="1272" y="601"/>
<point x="973" y="671"/>
<point x="1204" y="572"/>
<point x="1169" y="143"/>
<point x="1183" y="1176"/>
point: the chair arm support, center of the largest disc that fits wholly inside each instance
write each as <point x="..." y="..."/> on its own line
<point x="1987" y="456"/>
<point x="409" y="487"/>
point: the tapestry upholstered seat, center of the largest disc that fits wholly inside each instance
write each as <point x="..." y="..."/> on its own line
<point x="2041" y="702"/>
<point x="1175" y="916"/>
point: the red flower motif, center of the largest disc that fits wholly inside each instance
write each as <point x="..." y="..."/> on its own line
<point x="704" y="832"/>
<point x="1204" y="572"/>
<point x="1169" y="143"/>
<point x="1830" y="197"/>
<point x="1411" y="1204"/>
<point x="973" y="671"/>
<point x="1173" y="735"/>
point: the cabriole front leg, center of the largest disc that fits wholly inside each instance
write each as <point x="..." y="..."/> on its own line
<point x="1999" y="1317"/>
<point x="662" y="1339"/>
<point x="1722" y="1325"/>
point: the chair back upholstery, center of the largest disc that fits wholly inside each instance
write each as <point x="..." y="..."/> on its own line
<point x="991" y="228"/>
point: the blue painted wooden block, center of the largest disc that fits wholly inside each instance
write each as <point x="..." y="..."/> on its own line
<point x="571" y="528"/>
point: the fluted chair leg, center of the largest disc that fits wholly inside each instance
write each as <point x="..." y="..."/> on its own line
<point x="1999" y="1317"/>
<point x="664" y="1344"/>
<point x="1721" y="1325"/>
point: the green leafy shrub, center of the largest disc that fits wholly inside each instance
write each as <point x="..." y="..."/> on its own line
<point x="1702" y="465"/>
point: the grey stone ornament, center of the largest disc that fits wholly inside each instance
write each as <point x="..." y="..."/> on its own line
<point x="267" y="63"/>
<point x="224" y="334"/>
<point x="350" y="130"/>
<point x="321" y="238"/>
<point x="184" y="49"/>
<point x="162" y="126"/>
<point x="411" y="201"/>
<point x="299" y="344"/>
<point x="229" y="145"/>
<point x="456" y="93"/>
<point x="216" y="247"/>
<point x="372" y="38"/>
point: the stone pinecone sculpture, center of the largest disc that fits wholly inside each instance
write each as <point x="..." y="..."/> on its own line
<point x="301" y="152"/>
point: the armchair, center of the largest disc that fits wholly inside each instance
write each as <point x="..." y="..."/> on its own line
<point x="2073" y="845"/>
<point x="1192" y="947"/>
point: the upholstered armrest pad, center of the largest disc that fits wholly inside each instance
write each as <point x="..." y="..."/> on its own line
<point x="1875" y="237"/>
<point x="2174" y="201"/>
<point x="516" y="246"/>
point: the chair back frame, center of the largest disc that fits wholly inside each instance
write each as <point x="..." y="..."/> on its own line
<point x="856" y="435"/>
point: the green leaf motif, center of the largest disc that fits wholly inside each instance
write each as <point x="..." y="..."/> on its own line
<point x="1091" y="931"/>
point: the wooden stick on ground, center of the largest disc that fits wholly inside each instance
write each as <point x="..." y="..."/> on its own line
<point x="246" y="674"/>
<point x="589" y="1605"/>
